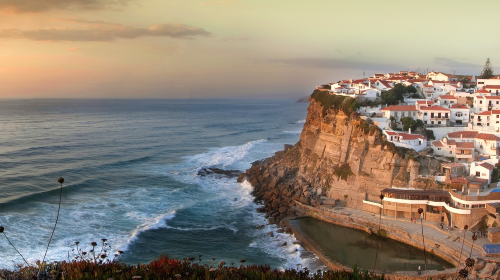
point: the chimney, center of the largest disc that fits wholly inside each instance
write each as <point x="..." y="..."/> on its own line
<point x="409" y="130"/>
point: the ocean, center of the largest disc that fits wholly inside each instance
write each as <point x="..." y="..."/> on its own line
<point x="131" y="176"/>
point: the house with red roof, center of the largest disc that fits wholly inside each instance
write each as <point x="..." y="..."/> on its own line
<point x="486" y="103"/>
<point x="406" y="140"/>
<point x="487" y="144"/>
<point x="494" y="81"/>
<point x="434" y="115"/>
<point x="424" y="103"/>
<point x="482" y="170"/>
<point x="438" y="76"/>
<point x="428" y="91"/>
<point x="459" y="114"/>
<point x="447" y="100"/>
<point x="460" y="151"/>
<point x="383" y="85"/>
<point x="399" y="112"/>
<point x="493" y="89"/>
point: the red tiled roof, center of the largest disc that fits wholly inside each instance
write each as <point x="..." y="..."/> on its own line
<point x="459" y="180"/>
<point x="487" y="165"/>
<point x="465" y="145"/>
<point x="482" y="91"/>
<point x="447" y="97"/>
<point x="485" y="113"/>
<point x="407" y="136"/>
<point x="485" y="136"/>
<point x="437" y="143"/>
<point x="479" y="180"/>
<point x="434" y="108"/>
<point x="428" y="86"/>
<point x="427" y="102"/>
<point x="462" y="134"/>
<point x="492" y="97"/>
<point x="399" y="108"/>
<point x="391" y="133"/>
<point x="459" y="106"/>
<point x="451" y="142"/>
<point x="386" y="84"/>
<point x="492" y="86"/>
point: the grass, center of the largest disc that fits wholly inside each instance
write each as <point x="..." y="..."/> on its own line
<point x="346" y="104"/>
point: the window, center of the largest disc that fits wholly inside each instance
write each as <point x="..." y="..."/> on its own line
<point x="450" y="152"/>
<point x="478" y="173"/>
<point x="480" y="102"/>
<point x="432" y="115"/>
<point x="425" y="114"/>
<point x="439" y="149"/>
<point x="483" y="174"/>
<point x="446" y="115"/>
<point x="497" y="102"/>
<point x="439" y="122"/>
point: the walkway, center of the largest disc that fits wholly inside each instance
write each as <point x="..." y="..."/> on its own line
<point x="452" y="239"/>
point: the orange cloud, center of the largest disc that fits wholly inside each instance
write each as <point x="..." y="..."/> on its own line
<point x="38" y="6"/>
<point x="105" y="33"/>
<point x="72" y="49"/>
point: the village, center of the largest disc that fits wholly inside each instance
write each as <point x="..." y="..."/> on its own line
<point x="455" y="119"/>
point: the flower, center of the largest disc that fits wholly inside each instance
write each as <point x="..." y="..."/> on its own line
<point x="470" y="262"/>
<point x="466" y="227"/>
<point x="93" y="244"/>
<point x="420" y="210"/>
<point x="474" y="237"/>
<point x="463" y="273"/>
<point x="1" y="229"/>
<point x="60" y="180"/>
<point x="381" y="197"/>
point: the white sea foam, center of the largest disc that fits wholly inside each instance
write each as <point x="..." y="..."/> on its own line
<point x="301" y="121"/>
<point x="298" y="131"/>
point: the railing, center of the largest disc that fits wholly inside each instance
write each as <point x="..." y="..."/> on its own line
<point x="490" y="196"/>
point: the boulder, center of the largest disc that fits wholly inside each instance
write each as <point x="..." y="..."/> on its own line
<point x="272" y="221"/>
<point x="284" y="244"/>
<point x="487" y="270"/>
<point x="327" y="201"/>
<point x="241" y="177"/>
<point x="290" y="212"/>
<point x="282" y="210"/>
<point x="271" y="234"/>
<point x="281" y="172"/>
<point x="280" y="230"/>
<point x="319" y="191"/>
<point x="287" y="147"/>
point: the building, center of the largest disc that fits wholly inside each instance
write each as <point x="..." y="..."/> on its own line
<point x="406" y="140"/>
<point x="460" y="151"/>
<point x="459" y="114"/>
<point x="487" y="82"/>
<point x="482" y="170"/>
<point x="434" y="115"/>
<point x="486" y="103"/>
<point x="399" y="112"/>
<point x="487" y="144"/>
<point x="447" y="100"/>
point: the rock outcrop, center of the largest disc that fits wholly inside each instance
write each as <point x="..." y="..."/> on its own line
<point x="339" y="160"/>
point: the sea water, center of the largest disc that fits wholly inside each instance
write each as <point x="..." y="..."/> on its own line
<point x="131" y="176"/>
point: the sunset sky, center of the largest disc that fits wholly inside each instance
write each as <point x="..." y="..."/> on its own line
<point x="232" y="48"/>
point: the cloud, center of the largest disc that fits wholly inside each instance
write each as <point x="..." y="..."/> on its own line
<point x="106" y="33"/>
<point x="72" y="49"/>
<point x="456" y="64"/>
<point x="38" y="6"/>
<point x="216" y="2"/>
<point x="336" y="63"/>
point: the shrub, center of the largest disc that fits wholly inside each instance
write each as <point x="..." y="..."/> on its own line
<point x="343" y="171"/>
<point x="346" y="104"/>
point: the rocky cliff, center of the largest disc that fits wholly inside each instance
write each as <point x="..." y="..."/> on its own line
<point x="339" y="159"/>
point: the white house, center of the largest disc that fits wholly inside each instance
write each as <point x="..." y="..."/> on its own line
<point x="438" y="76"/>
<point x="488" y="82"/>
<point x="493" y="89"/>
<point x="434" y="115"/>
<point x="459" y="114"/>
<point x="487" y="144"/>
<point x="428" y="91"/>
<point x="447" y="100"/>
<point x="424" y="103"/>
<point x="482" y="170"/>
<point x="460" y="151"/>
<point x="485" y="103"/>
<point x="399" y="112"/>
<point x="383" y="85"/>
<point x="406" y="140"/>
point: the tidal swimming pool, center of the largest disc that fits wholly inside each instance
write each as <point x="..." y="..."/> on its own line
<point x="355" y="247"/>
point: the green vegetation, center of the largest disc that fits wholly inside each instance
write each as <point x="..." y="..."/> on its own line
<point x="166" y="268"/>
<point x="430" y="134"/>
<point x="382" y="232"/>
<point x="409" y="122"/>
<point x="343" y="171"/>
<point x="346" y="104"/>
<point x="495" y="176"/>
<point x="483" y="225"/>
<point x="394" y="95"/>
<point x="366" y="125"/>
<point x="487" y="70"/>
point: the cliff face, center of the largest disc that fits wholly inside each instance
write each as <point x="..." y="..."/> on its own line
<point x="337" y="158"/>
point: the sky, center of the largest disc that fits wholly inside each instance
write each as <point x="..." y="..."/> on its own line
<point x="232" y="48"/>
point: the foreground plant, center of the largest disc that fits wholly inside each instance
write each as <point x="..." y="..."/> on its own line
<point x="378" y="232"/>
<point x="460" y="256"/>
<point x="61" y="181"/>
<point x="420" y="211"/>
<point x="2" y="230"/>
<point x="166" y="268"/>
